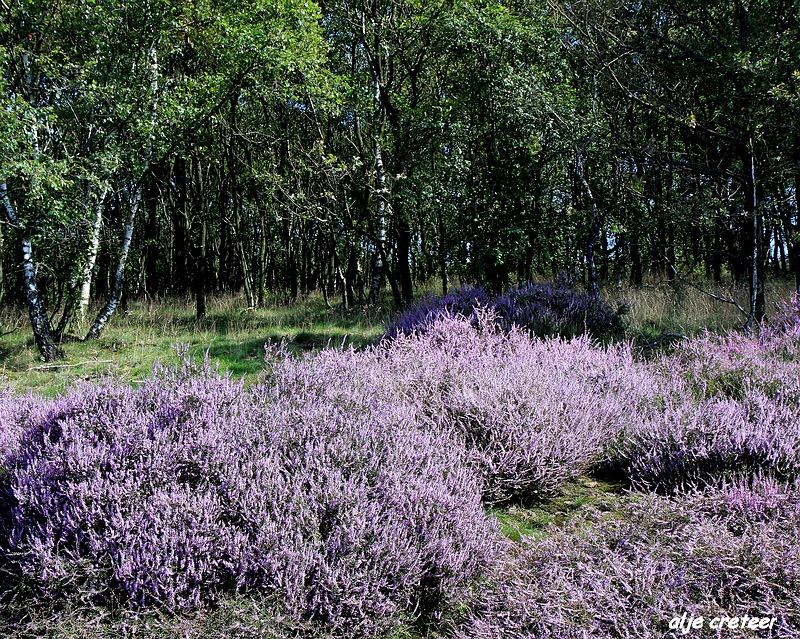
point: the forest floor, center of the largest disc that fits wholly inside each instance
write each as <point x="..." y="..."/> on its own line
<point x="151" y="331"/>
<point x="584" y="513"/>
<point x="234" y="337"/>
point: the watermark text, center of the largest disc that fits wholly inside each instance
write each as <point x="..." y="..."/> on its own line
<point x="686" y="623"/>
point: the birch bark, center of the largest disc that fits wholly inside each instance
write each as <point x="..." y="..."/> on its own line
<point x="40" y="322"/>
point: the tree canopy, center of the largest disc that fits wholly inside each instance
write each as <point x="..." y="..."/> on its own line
<point x="150" y="147"/>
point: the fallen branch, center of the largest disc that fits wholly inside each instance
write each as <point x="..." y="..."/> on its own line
<point x="726" y="300"/>
<point x="661" y="339"/>
<point x="48" y="367"/>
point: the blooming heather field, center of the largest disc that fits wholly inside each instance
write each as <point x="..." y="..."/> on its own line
<point x="361" y="493"/>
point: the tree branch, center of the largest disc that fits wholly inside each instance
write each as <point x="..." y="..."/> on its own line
<point x="725" y="300"/>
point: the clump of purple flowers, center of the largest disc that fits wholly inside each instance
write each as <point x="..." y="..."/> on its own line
<point x="533" y="413"/>
<point x="193" y="487"/>
<point x="418" y="318"/>
<point x="347" y="488"/>
<point x="693" y="443"/>
<point x="557" y="308"/>
<point x="628" y="571"/>
<point x="730" y="404"/>
<point x="784" y="327"/>
<point x="551" y="308"/>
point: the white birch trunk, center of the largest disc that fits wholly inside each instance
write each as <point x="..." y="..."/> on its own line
<point x="119" y="275"/>
<point x="381" y="192"/>
<point x="135" y="202"/>
<point x="91" y="259"/>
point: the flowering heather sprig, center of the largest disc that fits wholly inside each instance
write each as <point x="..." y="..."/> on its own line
<point x="553" y="308"/>
<point x="746" y="501"/>
<point x="192" y="487"/>
<point x="629" y="571"/>
<point x="15" y="414"/>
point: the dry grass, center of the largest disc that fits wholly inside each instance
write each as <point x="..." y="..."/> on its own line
<point x="660" y="307"/>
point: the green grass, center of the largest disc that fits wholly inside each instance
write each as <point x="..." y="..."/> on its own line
<point x="579" y="497"/>
<point x="149" y="332"/>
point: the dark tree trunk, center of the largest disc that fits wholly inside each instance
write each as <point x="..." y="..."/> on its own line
<point x="794" y="233"/>
<point x="404" y="262"/>
<point x="153" y="250"/>
<point x="199" y="224"/>
<point x="756" y="279"/>
<point x="594" y="228"/>
<point x="180" y="235"/>
<point x="292" y="275"/>
<point x="40" y="322"/>
<point x="672" y="267"/>
<point x="351" y="277"/>
<point x="378" y="261"/>
<point x="442" y="252"/>
<point x="636" y="262"/>
<point x="201" y="272"/>
<point x="716" y="253"/>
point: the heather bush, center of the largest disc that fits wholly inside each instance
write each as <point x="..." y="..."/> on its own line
<point x="557" y="309"/>
<point x="690" y="442"/>
<point x="735" y="364"/>
<point x="627" y="572"/>
<point x="15" y="412"/>
<point x="426" y="311"/>
<point x="784" y="326"/>
<point x="191" y="488"/>
<point x="543" y="309"/>
<point x="731" y="406"/>
<point x="346" y="489"/>
<point x="534" y="413"/>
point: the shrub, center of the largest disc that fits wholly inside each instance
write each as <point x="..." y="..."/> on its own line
<point x="543" y="309"/>
<point x="346" y="489"/>
<point x="692" y="442"/>
<point x="192" y="487"/>
<point x="731" y="405"/>
<point x="534" y="413"/>
<point x="14" y="413"/>
<point x="735" y="364"/>
<point x="461" y="302"/>
<point x="556" y="309"/>
<point x="784" y="327"/>
<point x="732" y="550"/>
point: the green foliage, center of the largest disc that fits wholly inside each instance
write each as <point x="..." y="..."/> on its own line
<point x="517" y="139"/>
